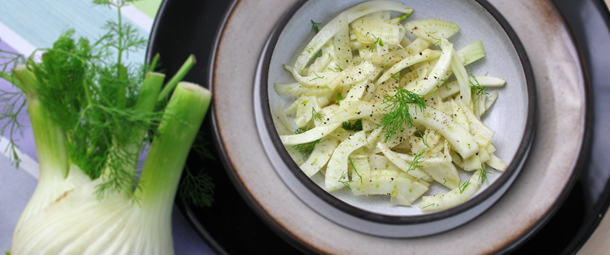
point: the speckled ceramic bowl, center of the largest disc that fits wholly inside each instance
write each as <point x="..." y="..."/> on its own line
<point x="537" y="192"/>
<point x="512" y="116"/>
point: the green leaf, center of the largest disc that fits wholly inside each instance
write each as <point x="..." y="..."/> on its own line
<point x="345" y="183"/>
<point x="428" y="205"/>
<point x="356" y="126"/>
<point x="317" y="77"/>
<point x="354" y="167"/>
<point x="306" y="148"/>
<point x="316" y="115"/>
<point x="397" y="77"/>
<point x="477" y="89"/>
<point x="463" y="186"/>
<point x="424" y="138"/>
<point x="303" y="129"/>
<point x="399" y="106"/>
<point x="197" y="189"/>
<point x="416" y="159"/>
<point x="339" y="98"/>
<point x="483" y="175"/>
<point x="335" y="69"/>
<point x="314" y="26"/>
<point x="404" y="16"/>
<point x="378" y="41"/>
<point x="201" y="147"/>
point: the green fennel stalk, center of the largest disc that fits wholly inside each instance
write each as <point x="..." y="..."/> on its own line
<point x="92" y="115"/>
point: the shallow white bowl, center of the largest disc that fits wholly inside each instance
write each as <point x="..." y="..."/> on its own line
<point x="512" y="116"/>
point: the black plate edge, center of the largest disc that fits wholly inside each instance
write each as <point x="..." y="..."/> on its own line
<point x="582" y="157"/>
<point x="251" y="201"/>
<point x="576" y="244"/>
<point x="182" y="205"/>
<point x="291" y="238"/>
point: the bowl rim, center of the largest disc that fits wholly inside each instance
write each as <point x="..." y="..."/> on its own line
<point x="512" y="169"/>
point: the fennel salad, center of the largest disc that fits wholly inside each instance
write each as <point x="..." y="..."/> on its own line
<point x="92" y="115"/>
<point x="381" y="113"/>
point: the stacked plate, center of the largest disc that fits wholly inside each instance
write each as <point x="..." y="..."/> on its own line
<point x="545" y="94"/>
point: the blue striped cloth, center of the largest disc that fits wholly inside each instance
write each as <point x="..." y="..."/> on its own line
<point x="26" y="25"/>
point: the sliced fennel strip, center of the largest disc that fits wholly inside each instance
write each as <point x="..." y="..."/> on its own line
<point x="309" y="136"/>
<point x="333" y="27"/>
<point x="336" y="171"/>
